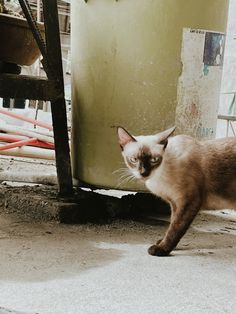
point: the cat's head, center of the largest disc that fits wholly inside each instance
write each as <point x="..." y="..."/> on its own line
<point x="143" y="154"/>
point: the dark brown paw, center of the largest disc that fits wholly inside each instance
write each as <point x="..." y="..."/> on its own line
<point x="156" y="250"/>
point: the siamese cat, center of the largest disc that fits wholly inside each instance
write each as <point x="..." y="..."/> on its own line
<point x="187" y="173"/>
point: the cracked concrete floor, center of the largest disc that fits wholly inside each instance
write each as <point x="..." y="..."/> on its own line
<point x="69" y="269"/>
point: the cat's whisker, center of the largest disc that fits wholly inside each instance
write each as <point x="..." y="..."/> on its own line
<point x="120" y="170"/>
<point x="125" y="179"/>
<point x="124" y="175"/>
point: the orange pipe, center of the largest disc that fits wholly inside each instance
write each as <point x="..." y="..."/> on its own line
<point x="44" y="144"/>
<point x="26" y="119"/>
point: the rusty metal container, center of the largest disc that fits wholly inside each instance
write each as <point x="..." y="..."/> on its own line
<point x="17" y="44"/>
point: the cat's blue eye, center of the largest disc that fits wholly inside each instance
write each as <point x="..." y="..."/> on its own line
<point x="155" y="159"/>
<point x="134" y="160"/>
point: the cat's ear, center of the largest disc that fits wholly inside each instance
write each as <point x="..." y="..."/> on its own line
<point x="163" y="136"/>
<point x="124" y="137"/>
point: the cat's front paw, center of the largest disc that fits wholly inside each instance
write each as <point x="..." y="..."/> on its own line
<point x="157" y="250"/>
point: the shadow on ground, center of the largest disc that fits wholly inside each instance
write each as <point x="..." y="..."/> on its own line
<point x="44" y="251"/>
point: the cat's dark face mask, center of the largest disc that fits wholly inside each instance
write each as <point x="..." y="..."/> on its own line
<point x="143" y="154"/>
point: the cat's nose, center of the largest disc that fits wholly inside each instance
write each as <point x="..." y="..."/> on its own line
<point x="144" y="172"/>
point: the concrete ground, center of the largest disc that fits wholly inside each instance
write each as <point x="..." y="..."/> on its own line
<point x="70" y="269"/>
<point x="48" y="268"/>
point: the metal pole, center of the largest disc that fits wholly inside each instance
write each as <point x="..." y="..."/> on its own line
<point x="58" y="105"/>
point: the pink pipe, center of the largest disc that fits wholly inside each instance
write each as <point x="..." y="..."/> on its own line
<point x="30" y="120"/>
<point x="19" y="143"/>
<point x="12" y="139"/>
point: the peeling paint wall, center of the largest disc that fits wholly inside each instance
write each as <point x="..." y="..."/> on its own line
<point x="199" y="84"/>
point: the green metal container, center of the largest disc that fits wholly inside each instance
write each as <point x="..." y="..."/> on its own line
<point x="144" y="65"/>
